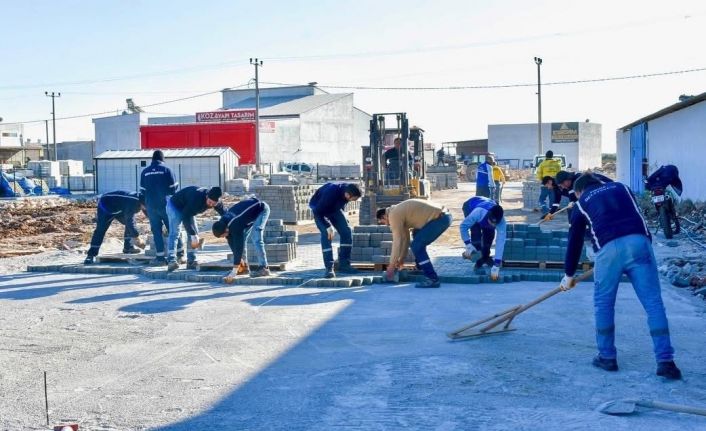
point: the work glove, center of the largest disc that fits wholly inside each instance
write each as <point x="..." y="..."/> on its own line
<point x="567" y="283"/>
<point x="139" y="242"/>
<point x="570" y="205"/>
<point x="468" y="253"/>
<point x="548" y="217"/>
<point x="494" y="272"/>
<point x="242" y="268"/>
<point x="194" y="241"/>
<point x="231" y="276"/>
<point x="330" y="232"/>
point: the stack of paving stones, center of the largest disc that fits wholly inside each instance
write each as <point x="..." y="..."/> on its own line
<point x="366" y="216"/>
<point x="530" y="195"/>
<point x="280" y="244"/>
<point x="338" y="172"/>
<point x="237" y="186"/>
<point x="289" y="203"/>
<point x="281" y="179"/>
<point x="244" y="171"/>
<point x="373" y="244"/>
<point x="529" y="243"/>
<point x="442" y="177"/>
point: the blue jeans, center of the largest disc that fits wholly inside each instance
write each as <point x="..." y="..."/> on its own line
<point x="497" y="192"/>
<point x="631" y="255"/>
<point x="339" y="222"/>
<point x="175" y="219"/>
<point x="425" y="236"/>
<point x="158" y="219"/>
<point x="256" y="235"/>
<point x="483" y="190"/>
<point x="545" y="194"/>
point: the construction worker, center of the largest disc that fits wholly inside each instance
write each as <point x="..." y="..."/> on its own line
<point x="547" y="168"/>
<point x="182" y="207"/>
<point x="122" y="206"/>
<point x="482" y="217"/>
<point x="622" y="243"/>
<point x="564" y="187"/>
<point x="427" y="221"/>
<point x="392" y="160"/>
<point x="246" y="219"/>
<point x="547" y="200"/>
<point x="484" y="178"/>
<point x="157" y="183"/>
<point x="499" y="180"/>
<point x="327" y="204"/>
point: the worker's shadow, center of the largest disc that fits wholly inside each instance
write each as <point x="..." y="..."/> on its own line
<point x="6" y="281"/>
<point x="23" y="293"/>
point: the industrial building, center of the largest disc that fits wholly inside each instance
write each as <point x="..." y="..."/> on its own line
<point x="297" y="124"/>
<point x="580" y="142"/>
<point x="675" y="135"/>
<point x="203" y="167"/>
<point x="77" y="150"/>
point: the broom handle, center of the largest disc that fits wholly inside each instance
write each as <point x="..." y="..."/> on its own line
<point x="494" y="316"/>
<point x="671" y="407"/>
<point x="558" y="212"/>
<point x="529" y="305"/>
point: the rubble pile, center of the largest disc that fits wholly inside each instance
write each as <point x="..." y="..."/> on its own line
<point x="686" y="272"/>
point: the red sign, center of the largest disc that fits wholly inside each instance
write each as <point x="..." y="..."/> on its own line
<point x="229" y="115"/>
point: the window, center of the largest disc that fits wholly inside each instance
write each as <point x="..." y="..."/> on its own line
<point x="9" y="134"/>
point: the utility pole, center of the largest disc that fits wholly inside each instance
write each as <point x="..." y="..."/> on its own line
<point x="257" y="63"/>
<point x="46" y="129"/>
<point x="538" y="62"/>
<point x="53" y="116"/>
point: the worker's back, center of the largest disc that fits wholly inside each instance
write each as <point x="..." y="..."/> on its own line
<point x="549" y="167"/>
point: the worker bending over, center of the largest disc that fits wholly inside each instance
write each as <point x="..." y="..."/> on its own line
<point x="482" y="218"/>
<point x="246" y="219"/>
<point x="157" y="183"/>
<point x="327" y="204"/>
<point x="622" y="243"/>
<point x="181" y="209"/>
<point x="564" y="187"/>
<point x="426" y="221"/>
<point x="121" y="206"/>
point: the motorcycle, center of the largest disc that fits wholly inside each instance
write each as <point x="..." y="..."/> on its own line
<point x="663" y="200"/>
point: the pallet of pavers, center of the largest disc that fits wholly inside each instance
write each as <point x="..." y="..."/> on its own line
<point x="372" y="245"/>
<point x="529" y="246"/>
<point x="280" y="246"/>
<point x="288" y="203"/>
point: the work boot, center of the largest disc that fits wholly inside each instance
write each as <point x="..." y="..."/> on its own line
<point x="192" y="264"/>
<point x="132" y="250"/>
<point x="172" y="266"/>
<point x="668" y="370"/>
<point x="345" y="267"/>
<point x="428" y="283"/>
<point x="89" y="260"/>
<point x="181" y="259"/>
<point x="330" y="273"/>
<point x="605" y="364"/>
<point x="260" y="272"/>
<point x="158" y="261"/>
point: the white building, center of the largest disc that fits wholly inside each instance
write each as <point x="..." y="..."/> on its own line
<point x="675" y="135"/>
<point x="203" y="167"/>
<point x="11" y="135"/>
<point x="580" y="142"/>
<point x="119" y="132"/>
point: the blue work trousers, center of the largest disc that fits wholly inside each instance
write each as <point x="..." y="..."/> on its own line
<point x="631" y="255"/>
<point x="421" y="238"/>
<point x="103" y="221"/>
<point x="340" y="224"/>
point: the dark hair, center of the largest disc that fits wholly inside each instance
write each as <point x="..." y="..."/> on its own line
<point x="353" y="190"/>
<point x="549" y="154"/>
<point x="141" y="198"/>
<point x="546" y="179"/>
<point x="218" y="228"/>
<point x="158" y="155"/>
<point x="214" y="193"/>
<point x="562" y="176"/>
<point x="380" y="213"/>
<point x="585" y="181"/>
<point x="495" y="214"/>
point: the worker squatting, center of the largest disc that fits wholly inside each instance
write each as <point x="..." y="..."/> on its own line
<point x="603" y="211"/>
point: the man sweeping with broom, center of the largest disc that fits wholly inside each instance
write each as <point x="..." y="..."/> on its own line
<point x="622" y="243"/>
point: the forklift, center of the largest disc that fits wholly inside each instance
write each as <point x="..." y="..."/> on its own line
<point x="404" y="177"/>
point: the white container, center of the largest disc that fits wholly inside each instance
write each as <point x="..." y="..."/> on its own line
<point x="71" y="167"/>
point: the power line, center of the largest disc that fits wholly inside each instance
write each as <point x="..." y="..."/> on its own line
<point x="499" y="86"/>
<point x="93" y="114"/>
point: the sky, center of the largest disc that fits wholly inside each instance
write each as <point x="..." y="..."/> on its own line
<point x="97" y="54"/>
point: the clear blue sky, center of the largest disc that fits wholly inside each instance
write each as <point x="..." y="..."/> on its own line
<point x="99" y="53"/>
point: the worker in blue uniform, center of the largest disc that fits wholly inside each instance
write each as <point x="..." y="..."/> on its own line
<point x="482" y="218"/>
<point x="157" y="183"/>
<point x="245" y="220"/>
<point x="327" y="204"/>
<point x="563" y="186"/>
<point x="186" y="204"/>
<point x="622" y="243"/>
<point x="121" y="206"/>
